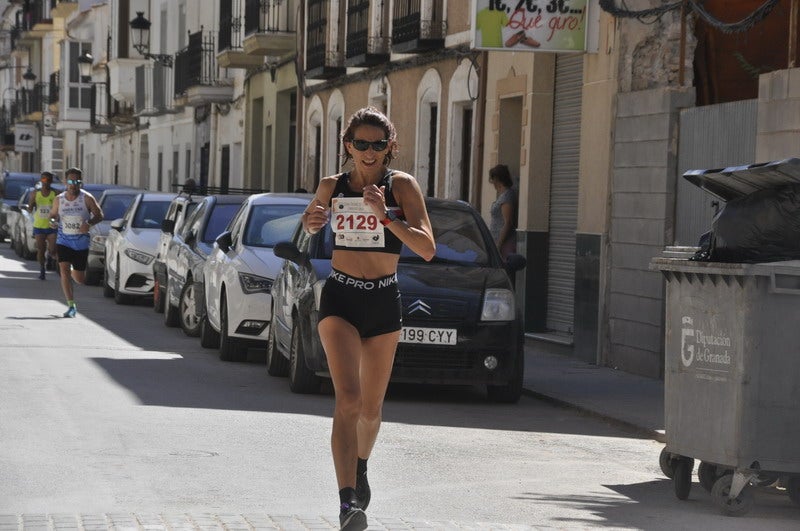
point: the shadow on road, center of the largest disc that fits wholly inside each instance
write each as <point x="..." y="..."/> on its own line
<point x="164" y="367"/>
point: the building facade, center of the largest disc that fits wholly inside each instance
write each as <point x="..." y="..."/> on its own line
<point x="252" y="95"/>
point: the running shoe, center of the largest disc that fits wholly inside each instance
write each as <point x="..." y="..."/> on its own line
<point x="41" y="274"/>
<point x="72" y="312"/>
<point x="363" y="493"/>
<point x="352" y="518"/>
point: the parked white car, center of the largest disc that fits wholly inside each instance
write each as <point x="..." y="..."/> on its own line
<point x="131" y="247"/>
<point x="114" y="202"/>
<point x="240" y="270"/>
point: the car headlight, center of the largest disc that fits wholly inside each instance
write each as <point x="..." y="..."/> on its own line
<point x="498" y="305"/>
<point x="254" y="283"/>
<point x="139" y="256"/>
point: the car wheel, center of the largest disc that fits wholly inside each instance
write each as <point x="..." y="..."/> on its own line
<point x="187" y="310"/>
<point x="170" y="311"/>
<point x="158" y="297"/>
<point x="277" y="364"/>
<point x="510" y="392"/>
<point x="27" y="254"/>
<point x="108" y="291"/>
<point x="229" y="348"/>
<point x="119" y="297"/>
<point x="92" y="277"/>
<point x="209" y="338"/>
<point x="301" y="379"/>
<point x="17" y="247"/>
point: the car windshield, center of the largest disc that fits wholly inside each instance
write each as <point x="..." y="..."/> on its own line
<point x="220" y="217"/>
<point x="150" y="214"/>
<point x="270" y="224"/>
<point x="114" y="206"/>
<point x="14" y="189"/>
<point x="458" y="236"/>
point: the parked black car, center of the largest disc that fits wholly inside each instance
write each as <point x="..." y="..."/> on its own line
<point x="460" y="322"/>
<point x="184" y="303"/>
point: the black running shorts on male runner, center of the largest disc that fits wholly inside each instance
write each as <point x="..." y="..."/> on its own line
<point x="76" y="258"/>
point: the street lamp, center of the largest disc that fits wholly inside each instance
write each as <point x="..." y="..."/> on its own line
<point x="28" y="78"/>
<point x="85" y="65"/>
<point x="140" y="36"/>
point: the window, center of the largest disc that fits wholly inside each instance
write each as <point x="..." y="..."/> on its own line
<point x="79" y="94"/>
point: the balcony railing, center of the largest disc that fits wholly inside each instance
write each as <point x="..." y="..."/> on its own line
<point x="322" y="62"/>
<point x="413" y="32"/>
<point x="230" y="26"/>
<point x="364" y="49"/>
<point x="34" y="13"/>
<point x="252" y="16"/>
<point x="31" y="101"/>
<point x="196" y="64"/>
<point x="276" y="17"/>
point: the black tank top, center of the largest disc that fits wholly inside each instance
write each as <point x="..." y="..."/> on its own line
<point x="392" y="243"/>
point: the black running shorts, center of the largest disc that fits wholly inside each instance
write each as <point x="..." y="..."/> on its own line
<point x="371" y="305"/>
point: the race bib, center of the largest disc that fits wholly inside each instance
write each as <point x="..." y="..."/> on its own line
<point x="43" y="211"/>
<point x="71" y="224"/>
<point x="355" y="224"/>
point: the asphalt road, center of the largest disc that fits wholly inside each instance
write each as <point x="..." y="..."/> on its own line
<point x="112" y="412"/>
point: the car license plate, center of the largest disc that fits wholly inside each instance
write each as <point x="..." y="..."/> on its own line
<point x="428" y="336"/>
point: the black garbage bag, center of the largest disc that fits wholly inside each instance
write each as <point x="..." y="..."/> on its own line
<point x="760" y="227"/>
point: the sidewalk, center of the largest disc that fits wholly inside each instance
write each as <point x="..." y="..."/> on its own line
<point x="633" y="402"/>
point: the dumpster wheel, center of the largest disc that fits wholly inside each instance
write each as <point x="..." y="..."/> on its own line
<point x="737" y="506"/>
<point x="708" y="474"/>
<point x="793" y="489"/>
<point x="667" y="463"/>
<point x="682" y="479"/>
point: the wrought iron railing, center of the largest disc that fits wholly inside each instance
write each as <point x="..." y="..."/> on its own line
<point x="252" y="16"/>
<point x="316" y="28"/>
<point x="230" y="26"/>
<point x="357" y="28"/>
<point x="276" y="17"/>
<point x="197" y="63"/>
<point x="408" y="24"/>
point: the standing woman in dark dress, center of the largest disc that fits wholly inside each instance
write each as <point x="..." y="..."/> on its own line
<point x="503" y="222"/>
<point x="373" y="211"/>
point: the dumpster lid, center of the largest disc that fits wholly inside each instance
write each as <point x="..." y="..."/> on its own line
<point x="738" y="181"/>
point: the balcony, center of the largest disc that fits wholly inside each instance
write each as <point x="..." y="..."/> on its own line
<point x="153" y="91"/>
<point x="196" y="79"/>
<point x="35" y="20"/>
<point x="231" y="54"/>
<point x="364" y="49"/>
<point x="62" y="8"/>
<point x="30" y="103"/>
<point x="417" y="26"/>
<point x="270" y="28"/>
<point x="322" y="62"/>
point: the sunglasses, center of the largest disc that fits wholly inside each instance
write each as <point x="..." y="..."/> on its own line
<point x="74" y="181"/>
<point x="363" y="145"/>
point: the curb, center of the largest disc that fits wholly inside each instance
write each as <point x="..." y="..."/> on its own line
<point x="650" y="433"/>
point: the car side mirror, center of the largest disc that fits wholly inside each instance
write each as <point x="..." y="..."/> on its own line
<point x="118" y="224"/>
<point x="191" y="237"/>
<point x="515" y="262"/>
<point x="168" y="225"/>
<point x="289" y="251"/>
<point x="224" y="241"/>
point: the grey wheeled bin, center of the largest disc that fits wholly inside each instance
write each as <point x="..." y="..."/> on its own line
<point x="732" y="378"/>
